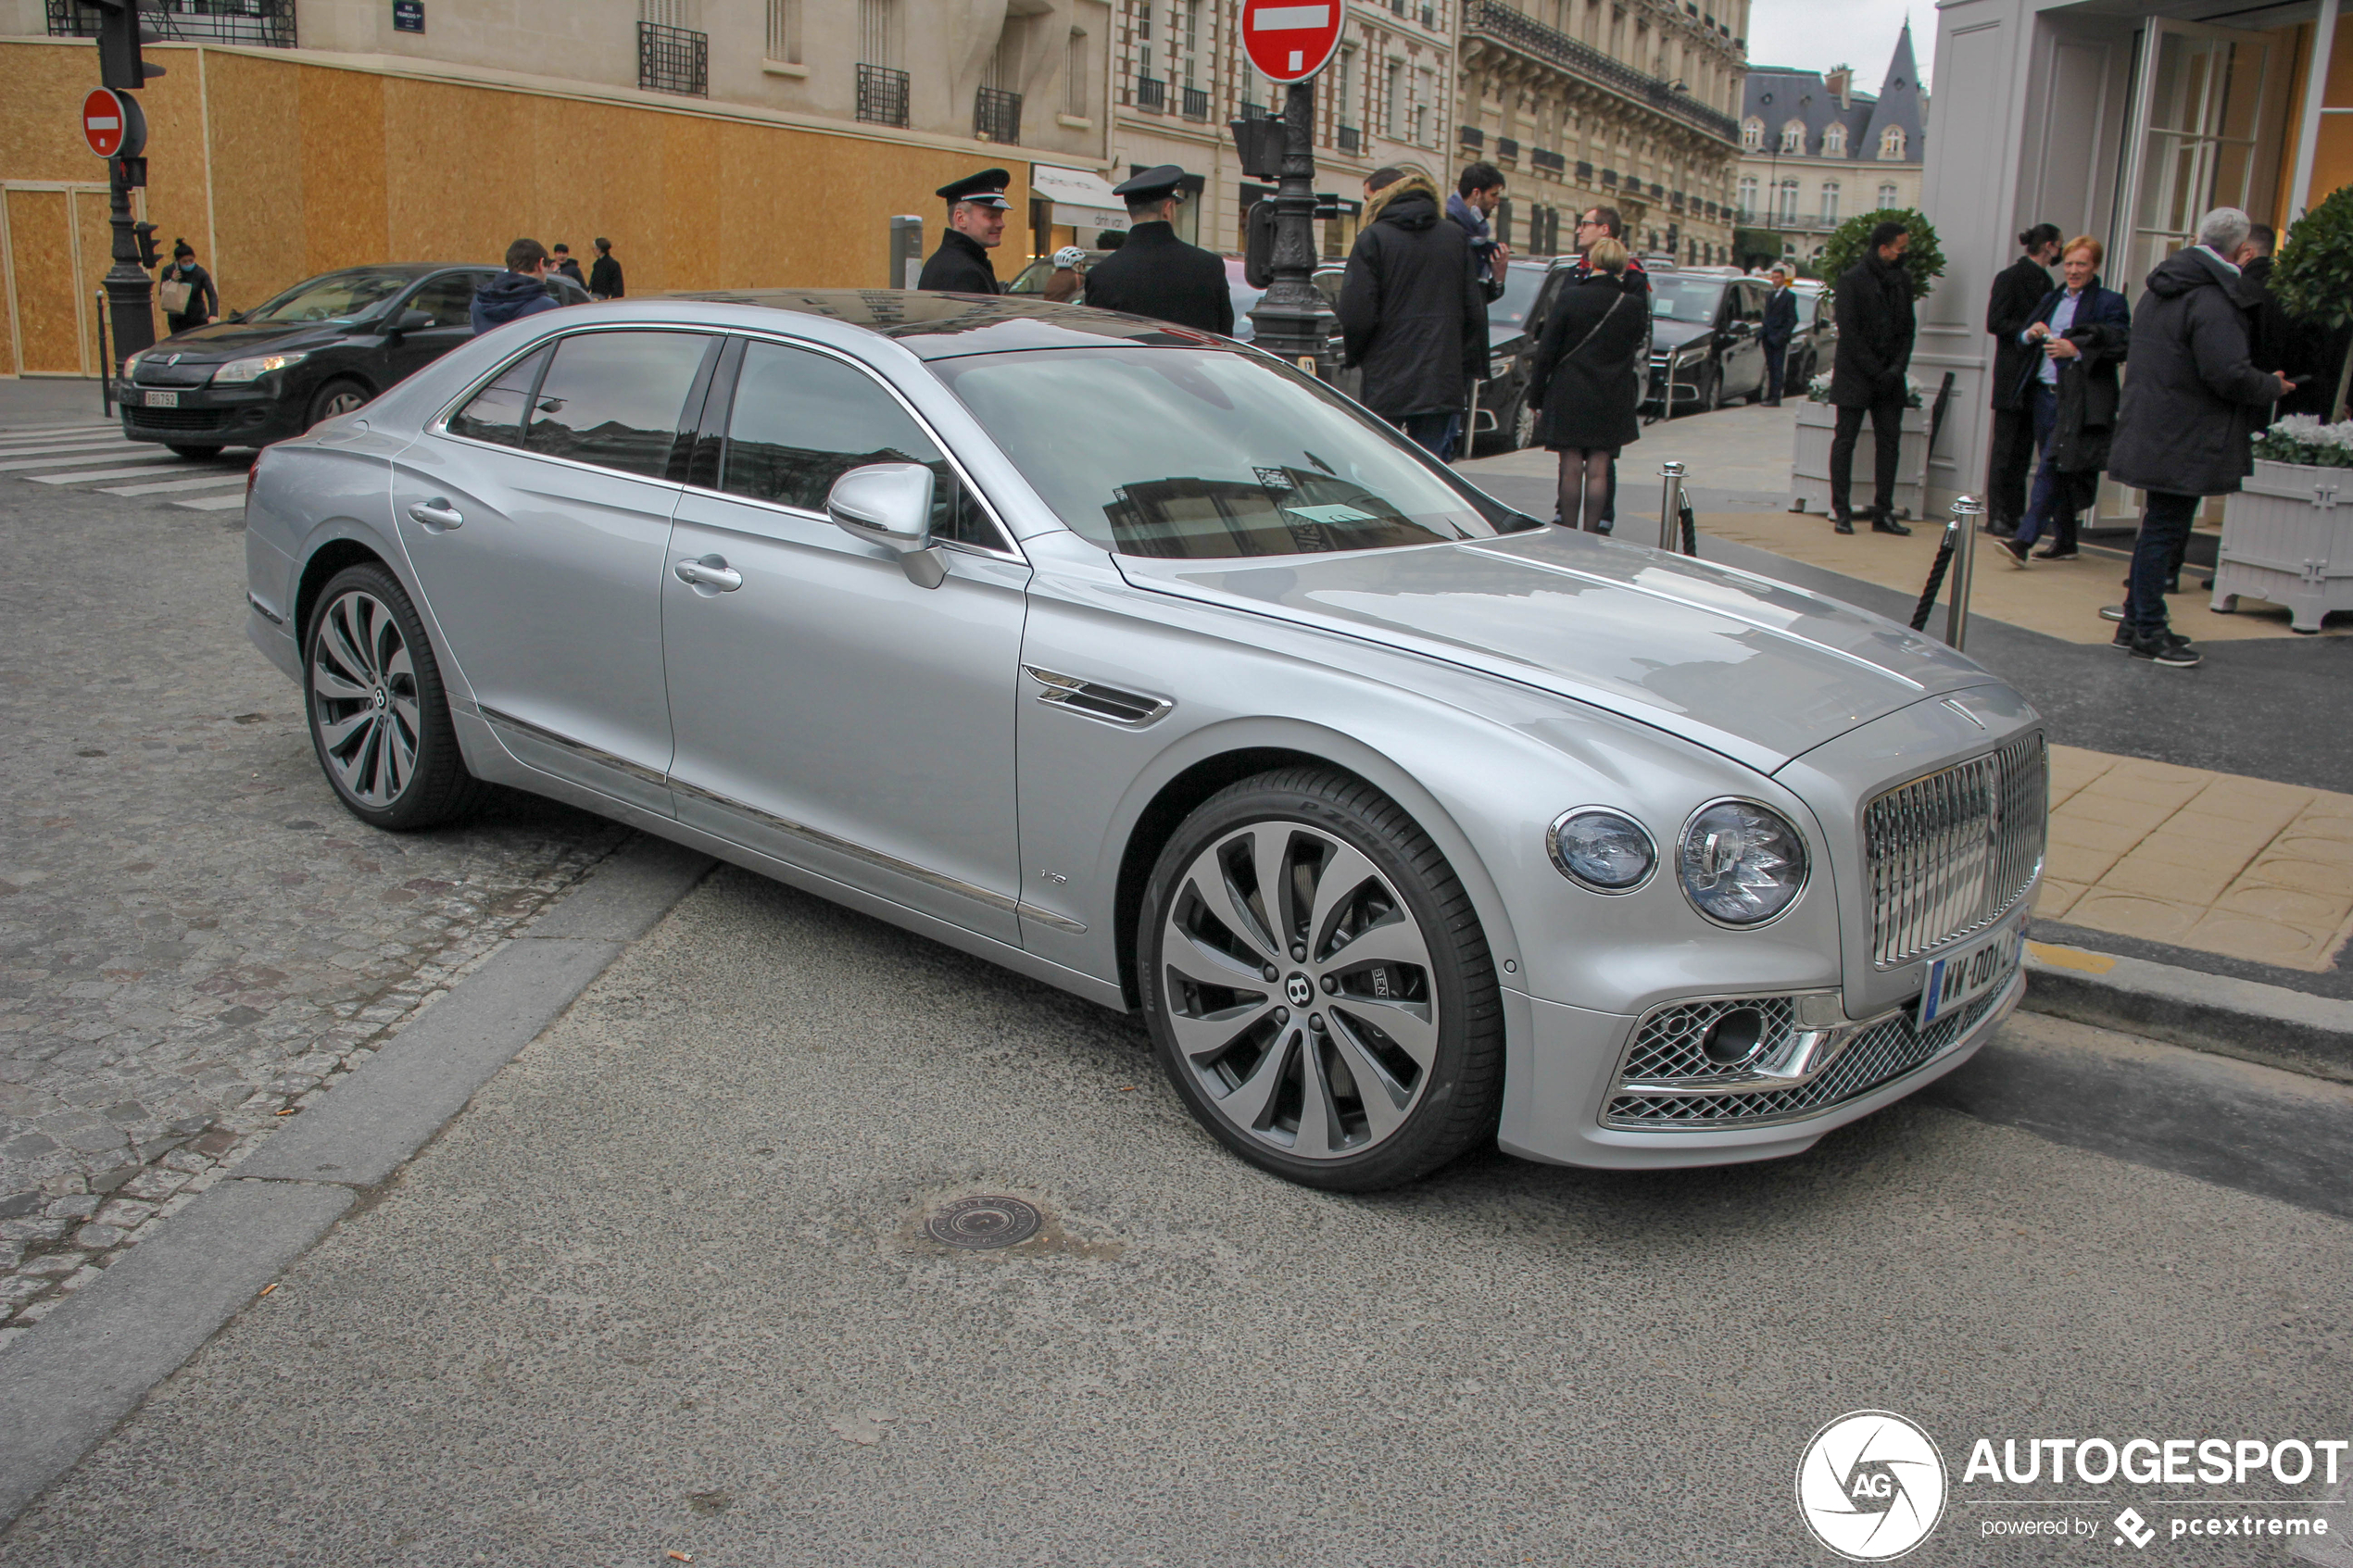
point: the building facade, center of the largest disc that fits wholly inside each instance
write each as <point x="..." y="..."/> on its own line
<point x="1815" y="152"/>
<point x="1584" y="102"/>
<point x="2126" y="123"/>
<point x="718" y="143"/>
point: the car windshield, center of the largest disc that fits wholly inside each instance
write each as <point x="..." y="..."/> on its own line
<point x="1192" y="454"/>
<point x="1685" y="299"/>
<point x="338" y="296"/>
<point x="1522" y="283"/>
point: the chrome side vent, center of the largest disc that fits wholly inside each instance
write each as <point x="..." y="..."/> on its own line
<point x="1090" y="700"/>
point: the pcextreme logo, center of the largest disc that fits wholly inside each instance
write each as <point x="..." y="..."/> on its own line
<point x="1871" y="1485"/>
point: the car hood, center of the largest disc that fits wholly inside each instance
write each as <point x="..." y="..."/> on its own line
<point x="1749" y="668"/>
<point x="1667" y="335"/>
<point x="230" y="340"/>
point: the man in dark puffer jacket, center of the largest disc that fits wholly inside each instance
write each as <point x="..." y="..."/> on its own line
<point x="1413" y="316"/>
<point x="520" y="291"/>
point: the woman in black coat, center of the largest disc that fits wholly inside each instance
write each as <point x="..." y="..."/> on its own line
<point x="204" y="300"/>
<point x="1586" y="383"/>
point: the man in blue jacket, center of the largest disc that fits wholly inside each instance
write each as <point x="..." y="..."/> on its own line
<point x="520" y="291"/>
<point x="1781" y="325"/>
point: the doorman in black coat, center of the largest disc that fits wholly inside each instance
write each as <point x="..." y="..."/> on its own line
<point x="1154" y="272"/>
<point x="977" y="207"/>
<point x="1873" y="308"/>
<point x="2017" y="292"/>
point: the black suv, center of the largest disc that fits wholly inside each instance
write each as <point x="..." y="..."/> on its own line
<point x="322" y="348"/>
<point x="1707" y="340"/>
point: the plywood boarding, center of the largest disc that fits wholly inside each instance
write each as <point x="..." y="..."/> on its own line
<point x="47" y="326"/>
<point x="94" y="258"/>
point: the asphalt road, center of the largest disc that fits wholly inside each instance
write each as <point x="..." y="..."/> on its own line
<point x="663" y="1288"/>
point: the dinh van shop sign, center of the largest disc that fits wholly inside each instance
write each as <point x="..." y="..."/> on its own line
<point x="1873" y="1485"/>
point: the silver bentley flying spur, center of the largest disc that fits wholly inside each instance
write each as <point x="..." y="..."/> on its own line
<point x="1138" y="662"/>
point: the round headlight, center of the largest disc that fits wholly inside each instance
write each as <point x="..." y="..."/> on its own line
<point x="1740" y="863"/>
<point x="1604" y="850"/>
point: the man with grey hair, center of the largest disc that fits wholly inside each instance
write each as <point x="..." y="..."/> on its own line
<point x="2192" y="401"/>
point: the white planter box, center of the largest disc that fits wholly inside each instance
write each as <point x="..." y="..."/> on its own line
<point x="2287" y="537"/>
<point x="1809" y="474"/>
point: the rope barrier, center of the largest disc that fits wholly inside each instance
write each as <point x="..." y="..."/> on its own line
<point x="1935" y="578"/>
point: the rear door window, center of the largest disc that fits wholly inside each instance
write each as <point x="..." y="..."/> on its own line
<point x="616" y="399"/>
<point x="448" y="299"/>
<point x="496" y="412"/>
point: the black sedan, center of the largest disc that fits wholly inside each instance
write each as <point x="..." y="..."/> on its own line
<point x="1706" y="339"/>
<point x="322" y="348"/>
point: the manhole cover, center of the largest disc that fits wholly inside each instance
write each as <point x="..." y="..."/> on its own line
<point x="983" y="1221"/>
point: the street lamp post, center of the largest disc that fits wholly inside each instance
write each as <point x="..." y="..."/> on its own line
<point x="1291" y="319"/>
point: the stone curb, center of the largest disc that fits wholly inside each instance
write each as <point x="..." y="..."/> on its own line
<point x="2270" y="1025"/>
<point x="91" y="1362"/>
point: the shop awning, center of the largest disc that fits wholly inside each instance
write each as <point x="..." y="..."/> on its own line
<point x="1082" y="198"/>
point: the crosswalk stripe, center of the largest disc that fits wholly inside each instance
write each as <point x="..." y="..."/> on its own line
<point x="217" y="482"/>
<point x="46" y="432"/>
<point x="83" y="444"/>
<point x="213" y="503"/>
<point x="89" y="476"/>
<point x="15" y="465"/>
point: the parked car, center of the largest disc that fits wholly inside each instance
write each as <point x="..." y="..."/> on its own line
<point x="1031" y="279"/>
<point x="1707" y="341"/>
<point x="1815" y="343"/>
<point x="1556" y="276"/>
<point x="1504" y="416"/>
<point x="1150" y="668"/>
<point x="323" y="347"/>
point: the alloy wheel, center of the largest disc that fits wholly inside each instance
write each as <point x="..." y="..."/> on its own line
<point x="343" y="402"/>
<point x="1523" y="425"/>
<point x="363" y="699"/>
<point x="1299" y="990"/>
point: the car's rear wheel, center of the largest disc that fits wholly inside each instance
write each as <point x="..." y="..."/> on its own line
<point x="1523" y="424"/>
<point x="1317" y="984"/>
<point x="193" y="453"/>
<point x="379" y="721"/>
<point x="1711" y="389"/>
<point x="339" y="397"/>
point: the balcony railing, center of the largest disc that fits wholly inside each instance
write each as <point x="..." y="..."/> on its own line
<point x="996" y="115"/>
<point x="1609" y="179"/>
<point x="1352" y="140"/>
<point x="1151" y="93"/>
<point x="270" y="23"/>
<point x="674" y="59"/>
<point x="1508" y="27"/>
<point x="1196" y="103"/>
<point x="1584" y="173"/>
<point x="1471" y="137"/>
<point x="1551" y="162"/>
<point x="1429" y="18"/>
<point x="1507" y="149"/>
<point x="882" y="95"/>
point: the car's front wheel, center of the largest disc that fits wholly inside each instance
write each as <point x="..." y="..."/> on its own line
<point x="1317" y="984"/>
<point x="379" y="720"/>
<point x="339" y="396"/>
<point x="1523" y="424"/>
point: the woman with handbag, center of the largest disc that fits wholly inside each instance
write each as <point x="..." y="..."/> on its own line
<point x="1586" y="383"/>
<point x="186" y="291"/>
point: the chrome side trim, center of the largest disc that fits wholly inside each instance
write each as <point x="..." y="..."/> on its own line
<point x="823" y="840"/>
<point x="1092" y="699"/>
<point x="264" y="611"/>
<point x="578" y="748"/>
<point x="1048" y="917"/>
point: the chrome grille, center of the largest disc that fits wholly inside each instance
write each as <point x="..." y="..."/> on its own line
<point x="1885" y="1050"/>
<point x="1950" y="853"/>
<point x="1669" y="1043"/>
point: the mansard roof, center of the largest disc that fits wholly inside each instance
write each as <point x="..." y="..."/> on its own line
<point x="1777" y="94"/>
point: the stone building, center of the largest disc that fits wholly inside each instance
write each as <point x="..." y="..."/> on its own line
<point x="719" y="142"/>
<point x="1624" y="102"/>
<point x="1815" y="152"/>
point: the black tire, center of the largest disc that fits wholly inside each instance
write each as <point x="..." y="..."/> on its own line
<point x="1711" y="392"/>
<point x="334" y="396"/>
<point x="1459" y="1095"/>
<point x="1523" y="424"/>
<point x="404" y="711"/>
<point x="193" y="453"/>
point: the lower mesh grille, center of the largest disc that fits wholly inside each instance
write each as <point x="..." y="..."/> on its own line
<point x="183" y="418"/>
<point x="1669" y="1044"/>
<point x="1885" y="1051"/>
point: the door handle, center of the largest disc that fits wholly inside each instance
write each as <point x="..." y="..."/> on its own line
<point x="437" y="513"/>
<point x="710" y="572"/>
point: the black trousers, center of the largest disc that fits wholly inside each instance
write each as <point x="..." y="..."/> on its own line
<point x="2007" y="465"/>
<point x="1887" y="444"/>
<point x="1776" y="362"/>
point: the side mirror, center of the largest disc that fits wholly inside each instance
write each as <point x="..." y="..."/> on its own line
<point x="411" y="321"/>
<point x="889" y="504"/>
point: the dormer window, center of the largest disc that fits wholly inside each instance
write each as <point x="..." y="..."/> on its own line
<point x="1752" y="134"/>
<point x="1834" y="142"/>
<point x="1793" y="136"/>
<point x="1890" y="142"/>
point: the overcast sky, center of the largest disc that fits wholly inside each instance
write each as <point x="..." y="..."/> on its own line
<point x="1818" y="34"/>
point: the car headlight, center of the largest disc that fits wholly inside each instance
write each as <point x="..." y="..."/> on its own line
<point x="1740" y="863"/>
<point x="1604" y="850"/>
<point x="1692" y="355"/>
<point x="255" y="367"/>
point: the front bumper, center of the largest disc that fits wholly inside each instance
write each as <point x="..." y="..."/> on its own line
<point x="253" y="415"/>
<point x="1563" y="1076"/>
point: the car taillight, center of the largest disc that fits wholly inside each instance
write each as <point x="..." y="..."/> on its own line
<point x="251" y="474"/>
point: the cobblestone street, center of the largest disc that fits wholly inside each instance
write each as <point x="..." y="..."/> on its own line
<point x="194" y="937"/>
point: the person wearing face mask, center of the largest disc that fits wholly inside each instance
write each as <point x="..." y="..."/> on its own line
<point x="2076" y="337"/>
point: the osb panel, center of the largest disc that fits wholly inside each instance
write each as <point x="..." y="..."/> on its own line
<point x="258" y="217"/>
<point x="41" y="251"/>
<point x="343" y="167"/>
<point x="177" y="168"/>
<point x="96" y="233"/>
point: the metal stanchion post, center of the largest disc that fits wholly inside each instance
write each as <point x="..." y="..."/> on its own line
<point x="1966" y="509"/>
<point x="1670" y="503"/>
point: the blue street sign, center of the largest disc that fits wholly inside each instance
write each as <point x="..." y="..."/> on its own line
<point x="408" y="16"/>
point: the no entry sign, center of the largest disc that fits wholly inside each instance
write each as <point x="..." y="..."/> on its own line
<point x="112" y="124"/>
<point x="1288" y="41"/>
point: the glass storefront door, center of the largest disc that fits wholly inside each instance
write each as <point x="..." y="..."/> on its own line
<point x="2205" y="131"/>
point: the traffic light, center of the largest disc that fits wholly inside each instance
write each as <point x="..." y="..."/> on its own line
<point x="119" y="35"/>
<point x="145" y="233"/>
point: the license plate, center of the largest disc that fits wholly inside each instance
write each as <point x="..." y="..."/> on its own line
<point x="1955" y="982"/>
<point x="163" y="400"/>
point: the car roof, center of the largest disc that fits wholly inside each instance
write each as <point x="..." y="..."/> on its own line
<point x="942" y="326"/>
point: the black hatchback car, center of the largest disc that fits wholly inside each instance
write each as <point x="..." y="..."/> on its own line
<point x="322" y="348"/>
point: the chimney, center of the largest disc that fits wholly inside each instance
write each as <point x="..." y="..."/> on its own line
<point x="1840" y="80"/>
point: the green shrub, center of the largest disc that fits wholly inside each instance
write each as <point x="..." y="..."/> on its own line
<point x="2314" y="274"/>
<point x="1923" y="260"/>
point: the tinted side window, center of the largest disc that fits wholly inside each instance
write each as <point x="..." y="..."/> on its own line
<point x="448" y="299"/>
<point x="801" y="421"/>
<point x="496" y="412"/>
<point x="1753" y="303"/>
<point x="615" y="399"/>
